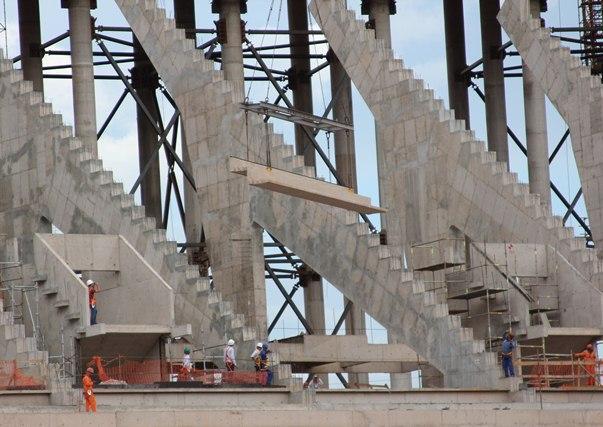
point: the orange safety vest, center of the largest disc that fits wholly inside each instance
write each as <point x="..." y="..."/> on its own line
<point x="91" y="297"/>
<point x="88" y="383"/>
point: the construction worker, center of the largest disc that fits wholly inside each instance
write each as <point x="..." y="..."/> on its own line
<point x="93" y="288"/>
<point x="88" y="383"/>
<point x="589" y="360"/>
<point x="187" y="365"/>
<point x="229" y="356"/>
<point x="265" y="363"/>
<point x="316" y="383"/>
<point x="508" y="346"/>
<point x="255" y="356"/>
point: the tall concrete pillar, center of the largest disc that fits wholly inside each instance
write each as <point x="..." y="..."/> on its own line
<point x="494" y="80"/>
<point x="379" y="12"/>
<point x="314" y="305"/>
<point x="456" y="59"/>
<point x="184" y="15"/>
<point x="30" y="41"/>
<point x="145" y="80"/>
<point x="536" y="129"/>
<point x="232" y="51"/>
<point x="84" y="104"/>
<point x="300" y="80"/>
<point x="345" y="163"/>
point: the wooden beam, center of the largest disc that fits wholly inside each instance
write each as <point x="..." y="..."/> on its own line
<point x="301" y="186"/>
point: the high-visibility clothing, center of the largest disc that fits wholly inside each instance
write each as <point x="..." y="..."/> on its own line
<point x="89" y="394"/>
<point x="589" y="358"/>
<point x="91" y="297"/>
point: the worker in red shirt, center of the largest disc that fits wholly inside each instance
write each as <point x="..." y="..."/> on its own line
<point x="589" y="359"/>
<point x="88" y="393"/>
<point x="93" y="288"/>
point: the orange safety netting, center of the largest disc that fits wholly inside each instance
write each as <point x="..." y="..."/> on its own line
<point x="562" y="374"/>
<point x="12" y="378"/>
<point x="150" y="371"/>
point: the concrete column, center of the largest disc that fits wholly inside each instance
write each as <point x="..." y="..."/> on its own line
<point x="184" y="15"/>
<point x="30" y="41"/>
<point x="84" y="104"/>
<point x="456" y="59"/>
<point x="313" y="299"/>
<point x="314" y="305"/>
<point x="146" y="81"/>
<point x="536" y="129"/>
<point x="345" y="163"/>
<point x="494" y="80"/>
<point x="378" y="12"/>
<point x="300" y="81"/>
<point x="345" y="150"/>
<point x="232" y="50"/>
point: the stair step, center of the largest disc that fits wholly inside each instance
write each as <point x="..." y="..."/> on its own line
<point x="49" y="291"/>
<point x="61" y="304"/>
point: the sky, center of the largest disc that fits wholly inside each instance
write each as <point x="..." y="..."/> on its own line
<point x="418" y="38"/>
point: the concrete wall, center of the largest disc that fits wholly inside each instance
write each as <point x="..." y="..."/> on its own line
<point x="54" y="325"/>
<point x="135" y="295"/>
<point x="347" y="418"/>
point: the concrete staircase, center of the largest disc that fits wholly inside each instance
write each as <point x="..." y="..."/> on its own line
<point x="426" y="323"/>
<point x="78" y="195"/>
<point x="577" y="95"/>
<point x="422" y="143"/>
<point x="15" y="345"/>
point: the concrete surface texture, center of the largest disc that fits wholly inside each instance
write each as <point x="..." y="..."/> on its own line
<point x="50" y="177"/>
<point x="300" y="417"/>
<point x="572" y="89"/>
<point x="434" y="165"/>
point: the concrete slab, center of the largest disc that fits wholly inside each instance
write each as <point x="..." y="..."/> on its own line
<point x="302" y="186"/>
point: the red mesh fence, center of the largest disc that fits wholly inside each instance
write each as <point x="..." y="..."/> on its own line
<point x="13" y="378"/>
<point x="561" y="373"/>
<point x="150" y="371"/>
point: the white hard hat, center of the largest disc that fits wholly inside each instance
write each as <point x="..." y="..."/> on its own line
<point x="259" y="344"/>
<point x="89" y="282"/>
<point x="231" y="342"/>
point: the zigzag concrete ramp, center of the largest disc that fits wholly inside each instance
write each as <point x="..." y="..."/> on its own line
<point x="328" y="240"/>
<point x="577" y="95"/>
<point x="428" y="162"/>
<point x="48" y="177"/>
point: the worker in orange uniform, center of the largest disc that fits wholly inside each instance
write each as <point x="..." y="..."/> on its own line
<point x="589" y="358"/>
<point x="88" y="393"/>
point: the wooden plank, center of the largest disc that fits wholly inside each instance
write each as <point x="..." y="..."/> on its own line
<point x="301" y="186"/>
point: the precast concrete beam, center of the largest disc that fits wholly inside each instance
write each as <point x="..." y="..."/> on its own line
<point x="494" y="80"/>
<point x="146" y="81"/>
<point x="84" y="103"/>
<point x="30" y="41"/>
<point x="456" y="59"/>
<point x="300" y="80"/>
<point x="536" y="129"/>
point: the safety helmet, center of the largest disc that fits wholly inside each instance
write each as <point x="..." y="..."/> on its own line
<point x="187" y="350"/>
<point x="90" y="370"/>
<point x="231" y="342"/>
<point x="259" y="345"/>
<point x="90" y="282"/>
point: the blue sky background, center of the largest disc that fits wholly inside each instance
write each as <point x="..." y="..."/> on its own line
<point x="418" y="38"/>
